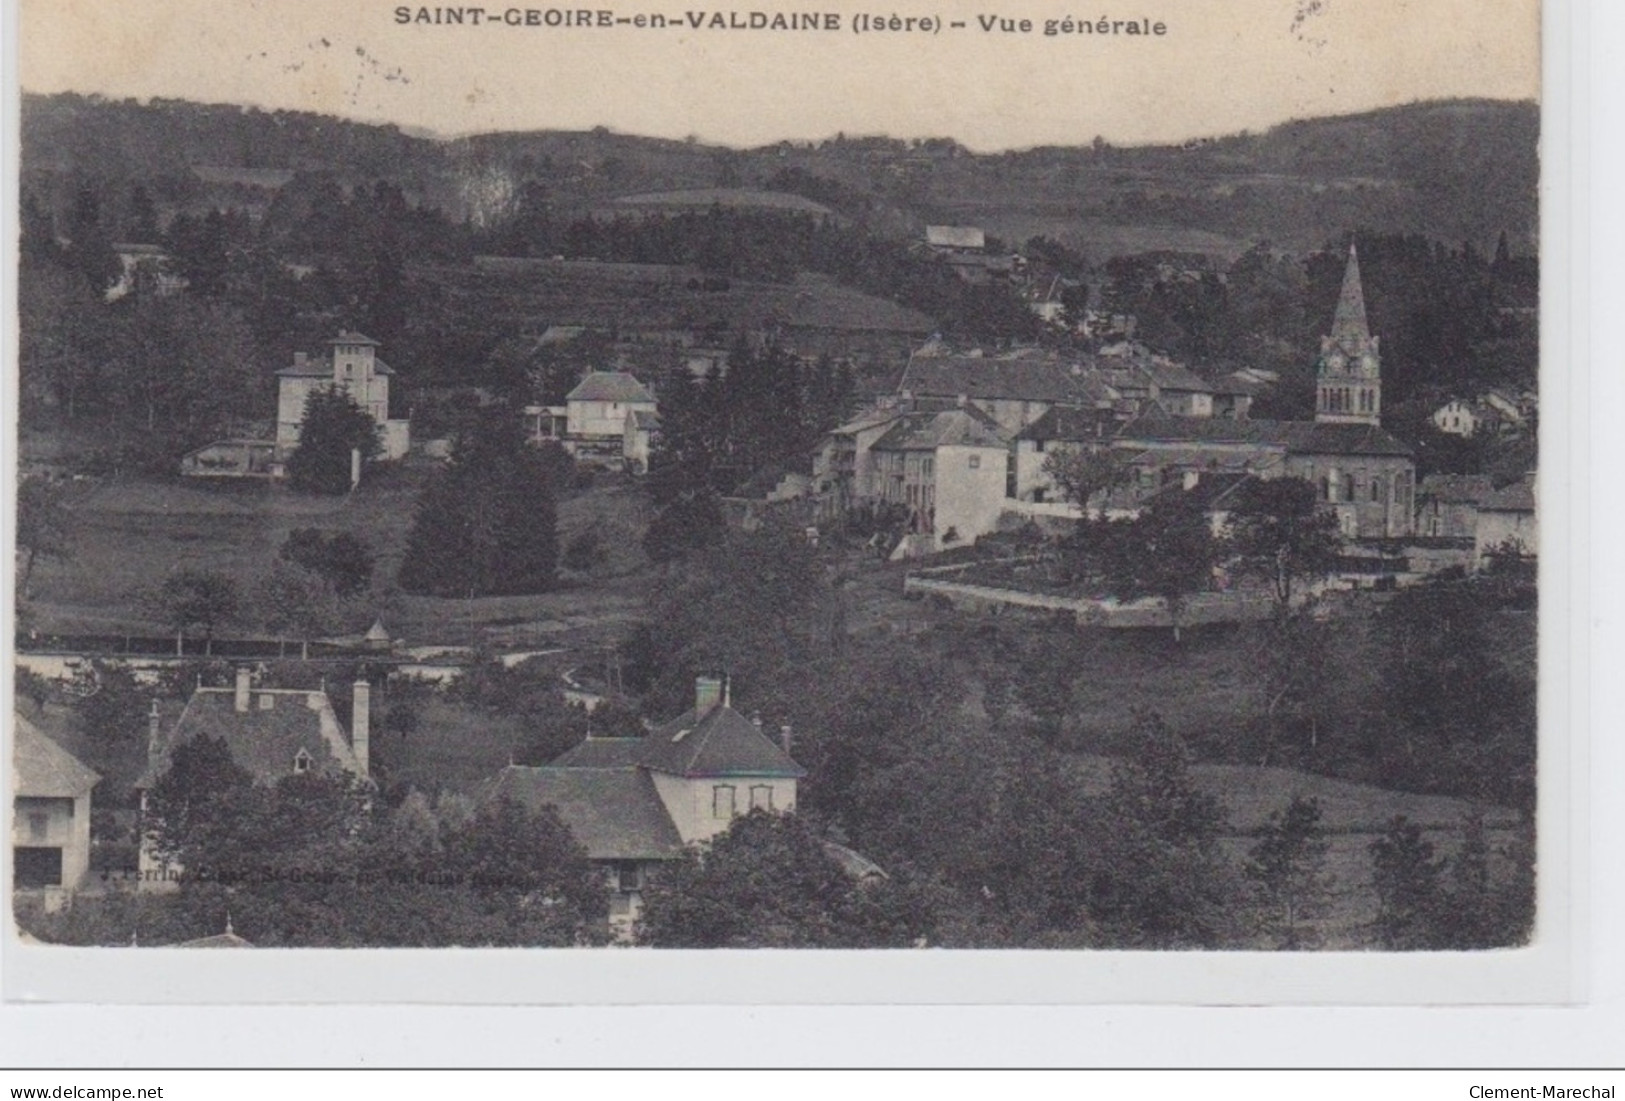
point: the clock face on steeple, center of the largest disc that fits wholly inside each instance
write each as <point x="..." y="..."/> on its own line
<point x="1335" y="361"/>
<point x="1368" y="363"/>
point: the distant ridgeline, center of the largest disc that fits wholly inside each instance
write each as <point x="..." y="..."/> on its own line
<point x="1455" y="171"/>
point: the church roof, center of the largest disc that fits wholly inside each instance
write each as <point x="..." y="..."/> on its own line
<point x="1349" y="325"/>
<point x="1297" y="437"/>
<point x="43" y="769"/>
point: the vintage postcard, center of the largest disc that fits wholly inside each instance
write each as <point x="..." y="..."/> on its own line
<point x="988" y="501"/>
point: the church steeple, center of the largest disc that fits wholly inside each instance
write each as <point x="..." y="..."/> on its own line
<point x="1349" y="374"/>
<point x="1349" y="325"/>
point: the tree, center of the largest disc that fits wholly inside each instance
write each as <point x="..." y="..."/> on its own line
<point x="293" y="602"/>
<point x="334" y="426"/>
<point x="1157" y="875"/>
<point x="339" y="558"/>
<point x="770" y="882"/>
<point x="1294" y="663"/>
<point x="1083" y="473"/>
<point x="204" y="812"/>
<point x="528" y="861"/>
<point x="1287" y="869"/>
<point x="1167" y="552"/>
<point x="191" y="597"/>
<point x="1408" y="879"/>
<point x="44" y="525"/>
<point x="486" y="525"/>
<point x="1278" y="531"/>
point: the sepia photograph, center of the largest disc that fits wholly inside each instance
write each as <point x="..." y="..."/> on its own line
<point x="940" y="478"/>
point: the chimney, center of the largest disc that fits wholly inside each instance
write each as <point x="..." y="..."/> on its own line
<point x="360" y="722"/>
<point x="784" y="738"/>
<point x="240" y="700"/>
<point x="707" y="694"/>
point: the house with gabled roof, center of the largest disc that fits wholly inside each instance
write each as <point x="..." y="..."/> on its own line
<point x="607" y="415"/>
<point x="270" y="732"/>
<point x="50" y="825"/>
<point x="634" y="803"/>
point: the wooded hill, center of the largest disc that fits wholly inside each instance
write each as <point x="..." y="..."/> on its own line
<point x="1457" y="171"/>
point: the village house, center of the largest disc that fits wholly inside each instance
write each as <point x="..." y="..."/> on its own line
<point x="1447" y="504"/>
<point x="1507" y="520"/>
<point x="635" y="803"/>
<point x="351" y="366"/>
<point x="50" y="825"/>
<point x="596" y="414"/>
<point x="270" y="732"/>
<point x="948" y="470"/>
<point x="1458" y="417"/>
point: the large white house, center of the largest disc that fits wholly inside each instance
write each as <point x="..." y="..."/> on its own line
<point x="352" y="366"/>
<point x="633" y="803"/>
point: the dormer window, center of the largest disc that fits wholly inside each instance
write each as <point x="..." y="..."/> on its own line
<point x="267" y="701"/>
<point x="301" y="762"/>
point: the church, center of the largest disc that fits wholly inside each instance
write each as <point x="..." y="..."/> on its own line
<point x="1363" y="473"/>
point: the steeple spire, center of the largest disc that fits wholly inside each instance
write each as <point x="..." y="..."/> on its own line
<point x="1349" y="375"/>
<point x="1349" y="325"/>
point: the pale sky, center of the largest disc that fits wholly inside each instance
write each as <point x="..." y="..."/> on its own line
<point x="1221" y="66"/>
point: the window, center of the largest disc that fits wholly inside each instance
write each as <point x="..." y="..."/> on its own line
<point x="1376" y="489"/>
<point x="39" y="827"/>
<point x="301" y="761"/>
<point x="761" y="797"/>
<point x="722" y="801"/>
<point x="267" y="701"/>
<point x="628" y="876"/>
<point x="1348" y="487"/>
<point x="976" y="462"/>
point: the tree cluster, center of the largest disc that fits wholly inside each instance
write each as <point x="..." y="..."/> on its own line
<point x="486" y="524"/>
<point x="315" y="860"/>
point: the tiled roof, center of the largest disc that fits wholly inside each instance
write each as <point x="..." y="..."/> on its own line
<point x="1517" y="497"/>
<point x="721" y="743"/>
<point x="966" y="427"/>
<point x="1026" y="378"/>
<point x="615" y="813"/>
<point x="601" y="753"/>
<point x="350" y="336"/>
<point x="1071" y="425"/>
<point x="617" y="386"/>
<point x="43" y="769"/>
<point x="1212" y="491"/>
<point x="1455" y="488"/>
<point x="262" y="740"/>
<point x="311" y="368"/>
<point x="1314" y="438"/>
<point x="955" y="237"/>
<point x="1298" y="437"/>
<point x="645" y="419"/>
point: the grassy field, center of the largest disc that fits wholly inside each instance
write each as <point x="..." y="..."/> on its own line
<point x="129" y="534"/>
